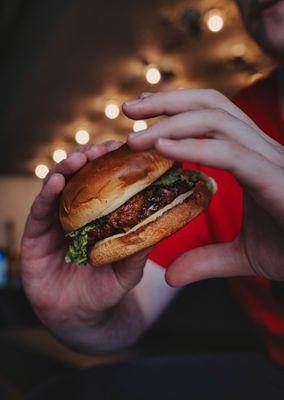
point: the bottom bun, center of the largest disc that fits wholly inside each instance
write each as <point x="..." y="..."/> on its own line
<point x="105" y="252"/>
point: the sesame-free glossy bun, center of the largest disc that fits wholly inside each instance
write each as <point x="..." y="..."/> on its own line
<point x="106" y="183"/>
<point x="121" y="246"/>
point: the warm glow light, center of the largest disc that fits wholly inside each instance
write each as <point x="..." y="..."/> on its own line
<point x="41" y="171"/>
<point x="59" y="155"/>
<point x="112" y="110"/>
<point x="82" y="136"/>
<point x="215" y="21"/>
<point x="139" y="126"/>
<point x="153" y="75"/>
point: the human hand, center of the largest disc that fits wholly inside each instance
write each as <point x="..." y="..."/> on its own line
<point x="232" y="142"/>
<point x="70" y="300"/>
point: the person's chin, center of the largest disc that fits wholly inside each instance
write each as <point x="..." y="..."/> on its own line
<point x="273" y="41"/>
<point x="270" y="36"/>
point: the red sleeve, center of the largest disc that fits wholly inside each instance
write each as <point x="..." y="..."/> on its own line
<point x="221" y="222"/>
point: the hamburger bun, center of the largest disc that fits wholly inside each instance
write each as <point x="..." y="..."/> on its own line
<point x="106" y="183"/>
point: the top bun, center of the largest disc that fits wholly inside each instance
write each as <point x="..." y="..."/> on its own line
<point x="106" y="183"/>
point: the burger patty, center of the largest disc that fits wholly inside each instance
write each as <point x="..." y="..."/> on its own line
<point x="136" y="209"/>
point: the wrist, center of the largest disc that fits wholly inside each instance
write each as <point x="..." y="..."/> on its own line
<point x="100" y="332"/>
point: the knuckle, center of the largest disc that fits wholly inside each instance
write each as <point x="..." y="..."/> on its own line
<point x="220" y="112"/>
<point x="235" y="151"/>
<point x="215" y="95"/>
<point x="278" y="154"/>
<point x="218" y="116"/>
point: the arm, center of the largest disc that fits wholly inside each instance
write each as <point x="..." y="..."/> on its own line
<point x="91" y="309"/>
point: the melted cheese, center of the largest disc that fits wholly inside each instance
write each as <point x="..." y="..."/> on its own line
<point x="178" y="200"/>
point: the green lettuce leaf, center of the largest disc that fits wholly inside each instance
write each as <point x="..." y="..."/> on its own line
<point x="78" y="250"/>
<point x="175" y="175"/>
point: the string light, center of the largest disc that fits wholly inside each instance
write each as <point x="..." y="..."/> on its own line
<point x="139" y="126"/>
<point x="153" y="75"/>
<point x="112" y="110"/>
<point x="82" y="136"/>
<point x="41" y="171"/>
<point x="59" y="155"/>
<point x="215" y="21"/>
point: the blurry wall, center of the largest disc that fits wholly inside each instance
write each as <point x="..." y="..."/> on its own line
<point x="17" y="195"/>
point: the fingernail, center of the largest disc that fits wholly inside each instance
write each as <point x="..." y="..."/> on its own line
<point x="134" y="135"/>
<point x="112" y="144"/>
<point x="144" y="95"/>
<point x="86" y="147"/>
<point x="109" y="144"/>
<point x="73" y="155"/>
<point x="165" y="142"/>
<point x="132" y="102"/>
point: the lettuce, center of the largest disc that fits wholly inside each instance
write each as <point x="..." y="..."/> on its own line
<point x="78" y="250"/>
<point x="176" y="174"/>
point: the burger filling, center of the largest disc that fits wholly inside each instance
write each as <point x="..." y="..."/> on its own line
<point x="159" y="194"/>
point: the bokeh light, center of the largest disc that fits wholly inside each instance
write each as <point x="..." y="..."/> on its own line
<point x="153" y="75"/>
<point x="139" y="126"/>
<point x="215" y="21"/>
<point x="82" y="136"/>
<point x="112" y="110"/>
<point x="59" y="155"/>
<point x="41" y="171"/>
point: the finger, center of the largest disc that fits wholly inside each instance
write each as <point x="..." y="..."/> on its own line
<point x="212" y="123"/>
<point x="44" y="207"/>
<point x="212" y="261"/>
<point x="69" y="166"/>
<point x="179" y="101"/>
<point x="145" y="94"/>
<point x="96" y="151"/>
<point x="249" y="167"/>
<point x="129" y="272"/>
<point x="78" y="158"/>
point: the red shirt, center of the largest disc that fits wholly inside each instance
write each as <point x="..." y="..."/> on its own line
<point x="221" y="222"/>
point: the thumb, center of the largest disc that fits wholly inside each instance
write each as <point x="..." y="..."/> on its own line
<point x="212" y="261"/>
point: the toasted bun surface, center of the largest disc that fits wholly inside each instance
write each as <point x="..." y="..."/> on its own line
<point x="119" y="247"/>
<point x="106" y="183"/>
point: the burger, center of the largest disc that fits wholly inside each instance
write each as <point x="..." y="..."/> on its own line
<point x="127" y="201"/>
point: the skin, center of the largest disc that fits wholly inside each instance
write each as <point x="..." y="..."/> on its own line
<point x="234" y="143"/>
<point x="93" y="310"/>
<point x="267" y="27"/>
<point x="105" y="309"/>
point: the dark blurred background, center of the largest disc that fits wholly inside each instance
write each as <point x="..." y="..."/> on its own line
<point x="66" y="67"/>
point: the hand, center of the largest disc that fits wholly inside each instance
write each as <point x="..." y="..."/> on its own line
<point x="70" y="300"/>
<point x="232" y="142"/>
